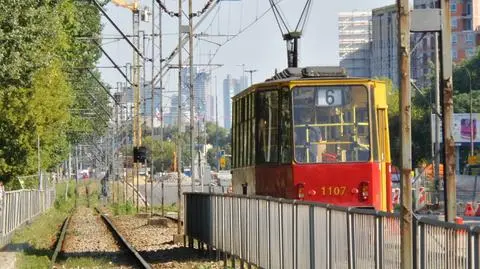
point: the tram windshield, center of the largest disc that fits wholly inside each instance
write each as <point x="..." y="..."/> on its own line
<point x="331" y="124"/>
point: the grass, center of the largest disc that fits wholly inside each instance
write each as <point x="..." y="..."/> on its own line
<point x="129" y="208"/>
<point x="84" y="262"/>
<point x="123" y="208"/>
<point x="36" y="241"/>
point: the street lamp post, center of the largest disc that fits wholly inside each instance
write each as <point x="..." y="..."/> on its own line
<point x="251" y="74"/>
<point x="471" y="114"/>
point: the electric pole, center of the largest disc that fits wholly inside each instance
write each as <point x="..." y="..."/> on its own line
<point x="137" y="132"/>
<point x="406" y="215"/>
<point x="251" y="71"/>
<point x="192" y="98"/>
<point x="160" y="41"/>
<point x="152" y="110"/>
<point x="179" y="118"/>
<point x="448" y="142"/>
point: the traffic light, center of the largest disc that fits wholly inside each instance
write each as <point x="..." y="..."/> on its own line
<point x="139" y="154"/>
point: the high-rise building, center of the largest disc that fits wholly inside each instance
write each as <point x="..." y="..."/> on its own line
<point x="145" y="103"/>
<point x="465" y="21"/>
<point x="354" y="37"/>
<point x="227" y="101"/>
<point x="200" y="85"/>
<point x="201" y="81"/>
<point x="231" y="87"/>
<point x="384" y="61"/>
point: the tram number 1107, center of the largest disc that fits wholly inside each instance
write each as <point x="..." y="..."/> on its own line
<point x="333" y="190"/>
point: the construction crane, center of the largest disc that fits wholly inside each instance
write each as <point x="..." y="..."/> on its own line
<point x="136" y="68"/>
<point x="132" y="6"/>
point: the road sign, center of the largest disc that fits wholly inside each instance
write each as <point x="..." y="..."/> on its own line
<point x="472" y="159"/>
<point x="223" y="162"/>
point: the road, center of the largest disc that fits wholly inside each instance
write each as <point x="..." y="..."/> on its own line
<point x="170" y="192"/>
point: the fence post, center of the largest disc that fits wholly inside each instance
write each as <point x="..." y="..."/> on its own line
<point x="378" y="242"/>
<point x="416" y="243"/>
<point x="17" y="215"/>
<point x="329" y="238"/>
<point x="471" y="249"/>
<point x="421" y="244"/>
<point x="350" y="239"/>
<point x="476" y="248"/>
<point x="269" y="238"/>
<point x="7" y="213"/>
<point x="311" y="218"/>
<point x="4" y="213"/>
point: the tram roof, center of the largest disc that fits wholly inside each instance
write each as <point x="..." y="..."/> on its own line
<point x="303" y="74"/>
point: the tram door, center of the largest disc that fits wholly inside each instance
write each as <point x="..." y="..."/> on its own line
<point x="385" y="161"/>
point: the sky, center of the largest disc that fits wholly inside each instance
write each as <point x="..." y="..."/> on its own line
<point x="259" y="46"/>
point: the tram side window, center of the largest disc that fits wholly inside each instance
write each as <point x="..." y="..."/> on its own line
<point x="246" y="132"/>
<point x="243" y="123"/>
<point x="234" y="135"/>
<point x="286" y="127"/>
<point x="240" y="134"/>
<point x="267" y="127"/>
<point x="252" y="128"/>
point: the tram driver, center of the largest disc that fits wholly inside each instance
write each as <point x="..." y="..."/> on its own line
<point x="308" y="137"/>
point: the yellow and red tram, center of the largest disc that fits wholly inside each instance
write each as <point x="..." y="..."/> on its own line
<point x="314" y="134"/>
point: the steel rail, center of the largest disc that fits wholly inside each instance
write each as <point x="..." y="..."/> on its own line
<point x="59" y="244"/>
<point x="141" y="262"/>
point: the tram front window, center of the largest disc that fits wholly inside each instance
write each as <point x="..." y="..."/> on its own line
<point x="331" y="124"/>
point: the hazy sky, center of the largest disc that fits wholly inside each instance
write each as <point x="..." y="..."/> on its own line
<point x="259" y="46"/>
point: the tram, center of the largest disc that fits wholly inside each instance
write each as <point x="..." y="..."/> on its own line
<point x="313" y="134"/>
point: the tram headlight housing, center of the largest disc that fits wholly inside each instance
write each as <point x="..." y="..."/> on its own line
<point x="300" y="191"/>
<point x="363" y="191"/>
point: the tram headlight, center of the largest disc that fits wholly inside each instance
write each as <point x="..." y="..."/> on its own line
<point x="363" y="191"/>
<point x="300" y="191"/>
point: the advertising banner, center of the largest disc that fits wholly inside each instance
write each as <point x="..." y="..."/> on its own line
<point x="463" y="131"/>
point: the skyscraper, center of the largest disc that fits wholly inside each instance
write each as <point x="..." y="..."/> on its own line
<point x="227" y="101"/>
<point x="231" y="87"/>
<point x="464" y="23"/>
<point x="384" y="62"/>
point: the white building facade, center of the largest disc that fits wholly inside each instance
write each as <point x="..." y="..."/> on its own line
<point x="354" y="37"/>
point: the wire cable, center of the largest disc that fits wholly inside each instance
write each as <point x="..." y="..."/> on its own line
<point x="304" y="15"/>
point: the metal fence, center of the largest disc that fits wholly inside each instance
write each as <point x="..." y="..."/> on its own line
<point x="19" y="207"/>
<point x="278" y="233"/>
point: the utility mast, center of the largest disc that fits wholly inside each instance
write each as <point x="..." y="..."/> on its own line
<point x="137" y="129"/>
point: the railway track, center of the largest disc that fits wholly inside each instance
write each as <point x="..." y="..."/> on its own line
<point x="133" y="252"/>
<point x="125" y="241"/>
<point x="104" y="242"/>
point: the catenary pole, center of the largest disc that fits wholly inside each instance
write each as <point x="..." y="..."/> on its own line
<point x="406" y="238"/>
<point x="152" y="109"/>
<point x="437" y="121"/>
<point x="179" y="118"/>
<point x="190" y="86"/>
<point x="448" y="141"/>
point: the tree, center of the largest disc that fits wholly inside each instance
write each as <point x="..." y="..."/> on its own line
<point x="41" y="82"/>
<point x="217" y="135"/>
<point x="466" y="77"/>
<point x="421" y="137"/>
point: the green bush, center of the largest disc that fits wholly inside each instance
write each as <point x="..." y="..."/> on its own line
<point x="123" y="208"/>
